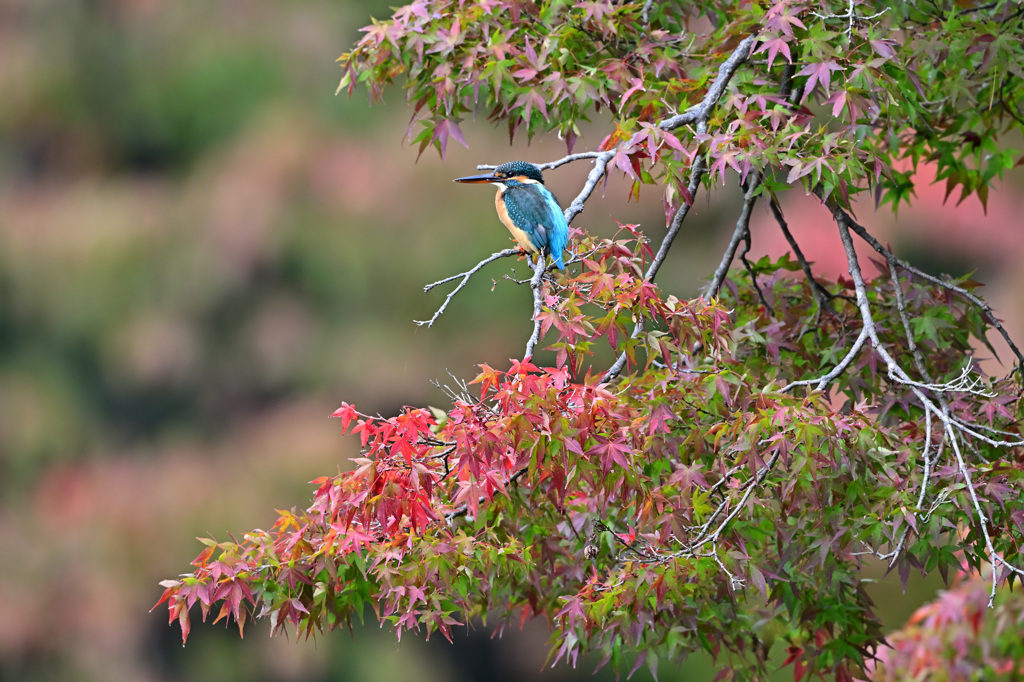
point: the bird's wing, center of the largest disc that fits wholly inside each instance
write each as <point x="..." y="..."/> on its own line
<point x="558" y="230"/>
<point x="536" y="211"/>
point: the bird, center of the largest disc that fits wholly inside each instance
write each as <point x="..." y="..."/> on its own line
<point x="528" y="209"/>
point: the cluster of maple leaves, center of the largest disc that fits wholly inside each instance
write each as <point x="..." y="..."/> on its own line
<point x="608" y="508"/>
<point x="958" y="635"/>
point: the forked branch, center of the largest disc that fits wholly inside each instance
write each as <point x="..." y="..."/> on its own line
<point x="465" y="276"/>
<point x="938" y="408"/>
<point x="949" y="286"/>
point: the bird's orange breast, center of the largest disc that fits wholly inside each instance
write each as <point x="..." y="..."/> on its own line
<point x="520" y="235"/>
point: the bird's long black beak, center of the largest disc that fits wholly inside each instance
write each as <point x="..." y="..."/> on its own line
<point x="486" y="177"/>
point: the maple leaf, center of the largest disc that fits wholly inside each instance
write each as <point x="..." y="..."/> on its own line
<point x="820" y="72"/>
<point x="774" y="46"/>
<point x="636" y="84"/>
<point x="660" y="416"/>
<point x="529" y="100"/>
<point x="609" y="452"/>
<point x="780" y="18"/>
<point x="346" y="413"/>
<point x="447" y="39"/>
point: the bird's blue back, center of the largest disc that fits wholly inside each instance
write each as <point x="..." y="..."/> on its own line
<point x="534" y="209"/>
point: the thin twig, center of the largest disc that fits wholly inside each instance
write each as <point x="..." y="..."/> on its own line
<point x="465" y="279"/>
<point x="821" y="295"/>
<point x="548" y="165"/>
<point x="703" y="537"/>
<point x="851" y="16"/>
<point x="753" y="273"/>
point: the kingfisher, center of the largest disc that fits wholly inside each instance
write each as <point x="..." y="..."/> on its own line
<point x="528" y="209"/>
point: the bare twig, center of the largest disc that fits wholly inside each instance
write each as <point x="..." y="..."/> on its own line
<point x="465" y="279"/>
<point x="734" y="582"/>
<point x="696" y="174"/>
<point x="851" y="16"/>
<point x="894" y="555"/>
<point x="458" y="394"/>
<point x="548" y="165"/>
<point x="753" y="273"/>
<point x="703" y="536"/>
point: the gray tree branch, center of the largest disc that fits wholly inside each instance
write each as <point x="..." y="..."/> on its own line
<point x="738" y="234"/>
<point x="949" y="286"/>
<point x="951" y="427"/>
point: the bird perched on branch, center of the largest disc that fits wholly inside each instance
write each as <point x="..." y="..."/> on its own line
<point x="530" y="212"/>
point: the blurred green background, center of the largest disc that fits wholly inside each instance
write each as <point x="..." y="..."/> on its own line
<point x="203" y="251"/>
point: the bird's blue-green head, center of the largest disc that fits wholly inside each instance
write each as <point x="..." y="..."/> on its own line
<point x="512" y="170"/>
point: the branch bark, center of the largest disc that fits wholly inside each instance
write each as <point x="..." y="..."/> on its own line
<point x="537" y="287"/>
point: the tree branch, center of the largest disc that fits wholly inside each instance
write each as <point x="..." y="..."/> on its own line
<point x="645" y="14"/>
<point x="821" y="295"/>
<point x="949" y="286"/>
<point x="702" y="111"/>
<point x="749" y="267"/>
<point x="951" y="427"/>
<point x="742" y="228"/>
<point x="594" y="177"/>
<point x="666" y="243"/>
<point x="698" y="114"/>
<point x="823" y="381"/>
<point x="465" y="279"/>
<point x="537" y="286"/>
